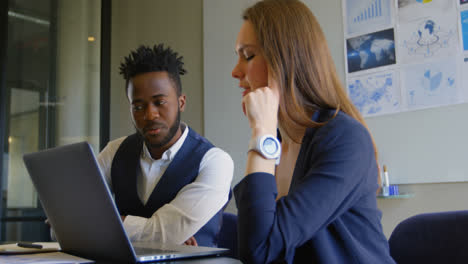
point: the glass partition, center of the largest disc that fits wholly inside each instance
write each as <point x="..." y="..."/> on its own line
<point x="52" y="98"/>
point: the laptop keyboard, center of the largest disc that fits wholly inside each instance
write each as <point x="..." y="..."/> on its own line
<point x="151" y="251"/>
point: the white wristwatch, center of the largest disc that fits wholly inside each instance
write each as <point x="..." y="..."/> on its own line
<point x="268" y="146"/>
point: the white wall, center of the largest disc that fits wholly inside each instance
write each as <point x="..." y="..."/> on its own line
<point x="225" y="124"/>
<point x="177" y="23"/>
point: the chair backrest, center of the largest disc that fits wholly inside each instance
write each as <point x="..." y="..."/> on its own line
<point x="228" y="234"/>
<point x="431" y="238"/>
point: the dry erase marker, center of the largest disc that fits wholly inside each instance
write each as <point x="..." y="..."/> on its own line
<point x="28" y="245"/>
<point x="386" y="183"/>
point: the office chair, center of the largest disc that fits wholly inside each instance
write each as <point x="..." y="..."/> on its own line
<point x="228" y="234"/>
<point x="431" y="238"/>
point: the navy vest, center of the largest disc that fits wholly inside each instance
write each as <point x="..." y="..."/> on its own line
<point x="182" y="171"/>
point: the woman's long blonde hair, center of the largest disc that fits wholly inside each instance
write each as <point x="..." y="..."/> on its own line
<point x="298" y="58"/>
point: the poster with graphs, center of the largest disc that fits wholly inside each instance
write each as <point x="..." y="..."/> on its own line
<point x="431" y="84"/>
<point x="427" y="38"/>
<point x="403" y="55"/>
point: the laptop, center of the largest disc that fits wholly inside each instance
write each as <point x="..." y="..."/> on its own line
<point x="82" y="212"/>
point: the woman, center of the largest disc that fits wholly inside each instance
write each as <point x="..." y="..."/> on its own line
<point x="320" y="205"/>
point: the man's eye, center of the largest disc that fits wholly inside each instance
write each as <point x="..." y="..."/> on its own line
<point x="137" y="108"/>
<point x="160" y="102"/>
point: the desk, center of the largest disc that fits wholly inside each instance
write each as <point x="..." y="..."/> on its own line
<point x="205" y="260"/>
<point x="47" y="258"/>
<point x="60" y="257"/>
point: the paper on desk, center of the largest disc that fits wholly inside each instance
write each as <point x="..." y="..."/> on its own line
<point x="14" y="249"/>
<point x="43" y="258"/>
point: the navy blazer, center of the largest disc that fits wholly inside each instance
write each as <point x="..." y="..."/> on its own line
<point x="330" y="214"/>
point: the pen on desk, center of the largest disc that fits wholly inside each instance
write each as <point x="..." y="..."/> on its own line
<point x="28" y="245"/>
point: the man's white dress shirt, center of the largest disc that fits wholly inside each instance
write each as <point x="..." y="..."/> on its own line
<point x="194" y="205"/>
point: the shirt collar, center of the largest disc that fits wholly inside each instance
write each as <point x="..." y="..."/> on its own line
<point x="169" y="154"/>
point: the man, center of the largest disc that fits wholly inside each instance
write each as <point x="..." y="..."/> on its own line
<point x="170" y="184"/>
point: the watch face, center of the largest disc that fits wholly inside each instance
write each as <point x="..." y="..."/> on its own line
<point x="270" y="146"/>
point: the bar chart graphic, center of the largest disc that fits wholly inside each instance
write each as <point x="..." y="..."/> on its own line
<point x="363" y="15"/>
<point x="371" y="12"/>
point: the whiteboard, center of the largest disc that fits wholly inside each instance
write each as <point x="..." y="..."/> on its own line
<point x="424" y="146"/>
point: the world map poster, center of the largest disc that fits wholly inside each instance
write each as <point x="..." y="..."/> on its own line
<point x="371" y="50"/>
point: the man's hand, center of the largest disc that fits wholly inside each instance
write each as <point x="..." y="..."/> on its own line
<point x="191" y="242"/>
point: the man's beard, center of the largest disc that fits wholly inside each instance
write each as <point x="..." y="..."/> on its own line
<point x="171" y="133"/>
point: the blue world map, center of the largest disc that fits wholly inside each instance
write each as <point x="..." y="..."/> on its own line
<point x="370" y="51"/>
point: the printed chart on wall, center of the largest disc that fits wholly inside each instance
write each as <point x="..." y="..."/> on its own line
<point x="404" y="55"/>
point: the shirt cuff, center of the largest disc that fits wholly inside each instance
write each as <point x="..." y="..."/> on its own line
<point x="134" y="226"/>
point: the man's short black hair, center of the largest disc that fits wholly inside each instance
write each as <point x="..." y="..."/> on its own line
<point x="156" y="59"/>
